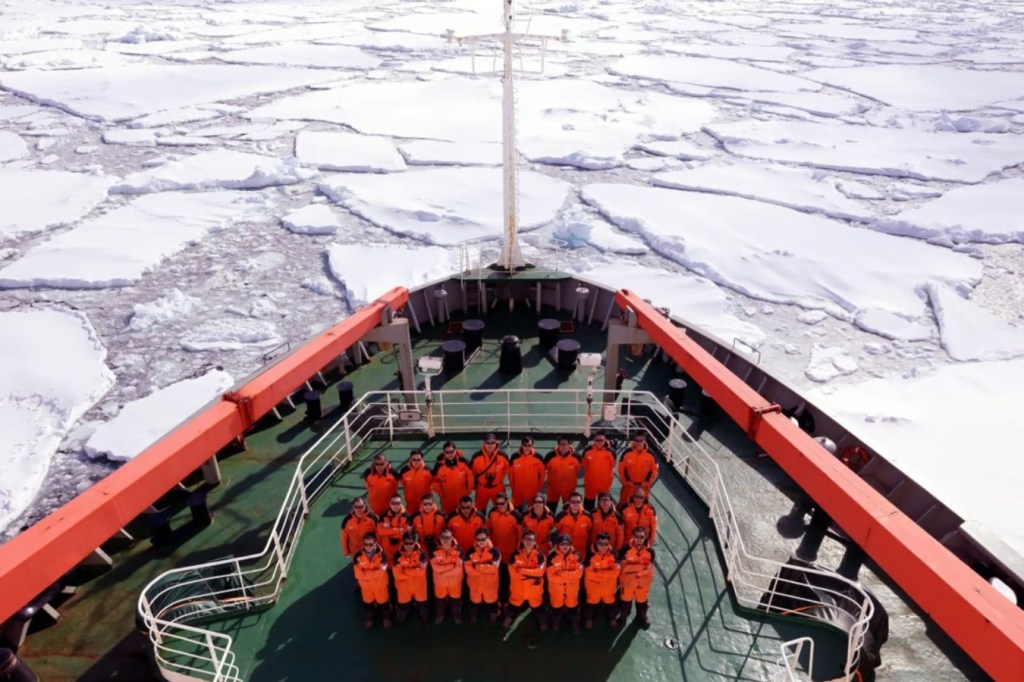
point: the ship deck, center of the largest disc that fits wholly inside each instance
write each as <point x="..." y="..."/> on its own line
<point x="699" y="632"/>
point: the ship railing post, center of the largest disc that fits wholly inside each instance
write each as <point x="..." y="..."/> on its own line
<point x="391" y="421"/>
<point x="303" y="497"/>
<point x="348" y="438"/>
<point x="279" y="554"/>
<point x="508" y="412"/>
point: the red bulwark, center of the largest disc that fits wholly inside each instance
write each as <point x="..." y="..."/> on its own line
<point x="39" y="556"/>
<point x="983" y="622"/>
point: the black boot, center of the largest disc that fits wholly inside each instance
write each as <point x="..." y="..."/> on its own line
<point x="510" y="616"/>
<point x="385" y="615"/>
<point x="574" y="620"/>
<point x="641" y="615"/>
<point x="543" y="615"/>
<point x="621" y="612"/>
<point x="367" y="615"/>
<point x="439" y="611"/>
<point x="495" y="613"/>
<point x="402" y="613"/>
<point x="556" y="619"/>
<point x="423" y="611"/>
<point x="474" y="613"/>
<point x="611" y="612"/>
<point x="588" y="616"/>
<point x="456" y="610"/>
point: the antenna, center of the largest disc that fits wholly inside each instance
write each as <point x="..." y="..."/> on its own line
<point x="511" y="258"/>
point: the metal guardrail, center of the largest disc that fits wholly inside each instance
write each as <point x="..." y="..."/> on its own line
<point x="238" y="585"/>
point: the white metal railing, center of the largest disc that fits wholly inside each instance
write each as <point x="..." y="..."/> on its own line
<point x="234" y="585"/>
<point x="789" y="662"/>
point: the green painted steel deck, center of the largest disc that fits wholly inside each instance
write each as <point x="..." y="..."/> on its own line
<point x="314" y="632"/>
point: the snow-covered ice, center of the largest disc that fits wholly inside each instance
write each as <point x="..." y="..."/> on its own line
<point x="579" y="228"/>
<point x="369" y="270"/>
<point x="297" y="54"/>
<point x="11" y="146"/>
<point x="36" y="200"/>
<point x="54" y="370"/>
<point x="829" y="362"/>
<point x="892" y="326"/>
<point x="351" y="152"/>
<point x="142" y="422"/>
<point x="227" y="334"/>
<point x="717" y="73"/>
<point x="174" y="305"/>
<point x="312" y="219"/>
<point x="440" y="153"/>
<point x="968" y="332"/>
<point x="213" y="169"/>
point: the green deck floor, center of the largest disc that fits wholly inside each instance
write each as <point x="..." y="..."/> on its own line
<point x="314" y="631"/>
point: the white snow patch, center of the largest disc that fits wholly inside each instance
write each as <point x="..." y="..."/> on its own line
<point x="968" y="332"/>
<point x="889" y="325"/>
<point x="349" y="152"/>
<point x="312" y="219"/>
<point x="368" y="270"/>
<point x="302" y="54"/>
<point x="716" y="73"/>
<point x="438" y="153"/>
<point x="37" y="200"/>
<point x="581" y="228"/>
<point x="175" y="305"/>
<point x="812" y="316"/>
<point x="678" y="149"/>
<point x="218" y="168"/>
<point x="11" y="146"/>
<point x="232" y="334"/>
<point x="143" y="422"/>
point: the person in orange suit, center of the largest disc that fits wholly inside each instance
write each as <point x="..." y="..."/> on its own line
<point x="563" y="467"/>
<point x="564" y="572"/>
<point x="453" y="479"/>
<point x="526" y="474"/>
<point x="598" y="470"/>
<point x="601" y="580"/>
<point x="637" y="468"/>
<point x="392" y="526"/>
<point x="371" y="569"/>
<point x="428" y="523"/>
<point x="447" y="449"/>
<point x="465" y="523"/>
<point x="490" y="467"/>
<point x="541" y="521"/>
<point x="447" y="571"/>
<point x="575" y="523"/>
<point x="526" y="579"/>
<point x="410" y="572"/>
<point x="606" y="519"/>
<point x="482" y="577"/>
<point x="504" y="525"/>
<point x="416" y="480"/>
<point x="639" y="512"/>
<point x="637" y="560"/>
<point x="381" y="483"/>
<point x="355" y="526"/>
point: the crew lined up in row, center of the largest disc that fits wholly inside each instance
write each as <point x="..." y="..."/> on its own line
<point x="483" y="476"/>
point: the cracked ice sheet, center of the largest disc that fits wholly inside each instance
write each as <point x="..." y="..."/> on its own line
<point x="780" y="255"/>
<point x="300" y="54"/>
<point x="220" y="168"/>
<point x="690" y="298"/>
<point x="965" y="157"/>
<point x="53" y="371"/>
<point x="125" y="92"/>
<point x="369" y="270"/>
<point x="925" y="87"/>
<point x="968" y="332"/>
<point x="992" y="213"/>
<point x="350" y="152"/>
<point x="445" y="205"/>
<point x="143" y="422"/>
<point x="803" y="189"/>
<point x="716" y="73"/>
<point x="117" y="248"/>
<point x="951" y="429"/>
<point x="11" y="146"/>
<point x="37" y="200"/>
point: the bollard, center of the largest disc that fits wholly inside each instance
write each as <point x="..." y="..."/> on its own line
<point x="314" y="410"/>
<point x="202" y="515"/>
<point x="160" y="523"/>
<point x="511" y="359"/>
<point x="346" y="395"/>
<point x="13" y="669"/>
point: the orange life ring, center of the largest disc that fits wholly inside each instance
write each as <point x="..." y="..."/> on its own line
<point x="855" y="457"/>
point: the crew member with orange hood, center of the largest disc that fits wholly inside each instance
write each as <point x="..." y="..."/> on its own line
<point x="446" y="568"/>
<point x="416" y="480"/>
<point x="371" y="569"/>
<point x="381" y="483"/>
<point x="490" y="466"/>
<point x="639" y="512"/>
<point x="428" y="523"/>
<point x="606" y="519"/>
<point x="410" y="572"/>
<point x="392" y="526"/>
<point x="601" y="580"/>
<point x="526" y="473"/>
<point x="564" y="571"/>
<point x="453" y="479"/>
<point x="598" y="470"/>
<point x="637" y="561"/>
<point x="504" y="525"/>
<point x="563" y="467"/>
<point x="465" y="523"/>
<point x="355" y="525"/>
<point x="637" y="468"/>
<point x="541" y="521"/>
<point x="482" y="577"/>
<point x="526" y="580"/>
<point x="575" y="523"/>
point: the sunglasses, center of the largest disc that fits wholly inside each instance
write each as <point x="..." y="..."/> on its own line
<point x="575" y="501"/>
<point x="369" y="544"/>
<point x="395" y="503"/>
<point x="359" y="506"/>
<point x="480" y="541"/>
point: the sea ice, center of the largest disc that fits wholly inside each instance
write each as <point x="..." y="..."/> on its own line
<point x="717" y="73"/>
<point x="368" y="270"/>
<point x="968" y="332"/>
<point x="11" y="146"/>
<point x="36" y="200"/>
<point x="827" y="363"/>
<point x="351" y="152"/>
<point x="440" y="153"/>
<point x="891" y="326"/>
<point x="302" y="54"/>
<point x="231" y="334"/>
<point x="579" y="227"/>
<point x="174" y="305"/>
<point x="312" y="219"/>
<point x="214" y="169"/>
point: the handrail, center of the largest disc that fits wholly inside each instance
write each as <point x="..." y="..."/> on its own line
<point x="260" y="576"/>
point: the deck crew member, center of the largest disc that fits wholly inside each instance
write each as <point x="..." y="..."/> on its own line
<point x="490" y="466"/>
<point x="392" y="526"/>
<point x="564" y="572"/>
<point x="482" y="577"/>
<point x="465" y="523"/>
<point x="601" y="580"/>
<point x="371" y="569"/>
<point x="410" y="573"/>
<point x="606" y="519"/>
<point x="428" y="523"/>
<point x="526" y="580"/>
<point x="598" y="470"/>
<point x="416" y="480"/>
<point x="575" y="523"/>
<point x="447" y="449"/>
<point x="637" y="561"/>
<point x="639" y="512"/>
<point x="637" y="468"/>
<point x="355" y="525"/>
<point x="525" y="473"/>
<point x="563" y="467"/>
<point x="453" y="479"/>
<point x="447" y="575"/>
<point x="381" y="483"/>
<point x="504" y="525"/>
<point x="541" y="521"/>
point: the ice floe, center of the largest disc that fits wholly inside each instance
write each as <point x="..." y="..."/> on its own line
<point x="578" y="228"/>
<point x="218" y="168"/>
<point x="175" y="305"/>
<point x="143" y="422"/>
<point x="352" y="152"/>
<point x="440" y="153"/>
<point x="54" y="370"/>
<point x="369" y="270"/>
<point x="117" y="248"/>
<point x="968" y="332"/>
<point x="36" y="200"/>
<point x="829" y="362"/>
<point x="302" y="54"/>
<point x="892" y="326"/>
<point x="227" y="333"/>
<point x="445" y="205"/>
<point x="11" y="146"/>
<point x="716" y="73"/>
<point x="312" y="219"/>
